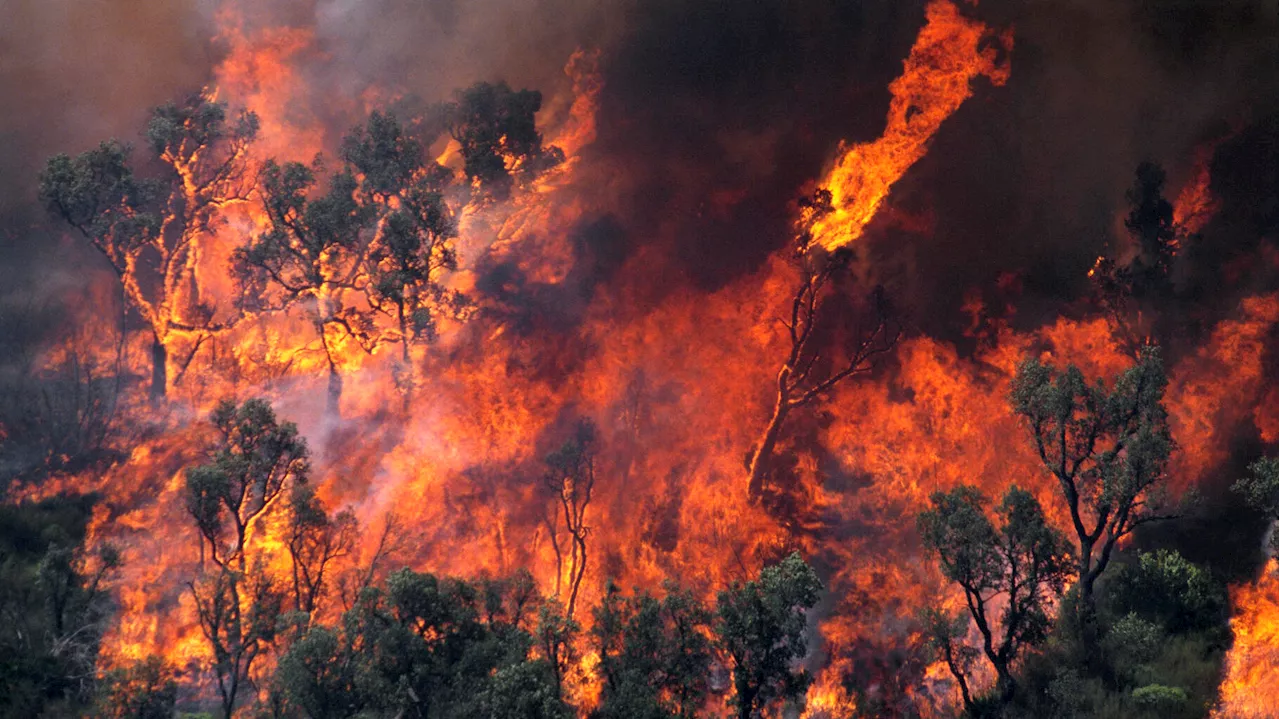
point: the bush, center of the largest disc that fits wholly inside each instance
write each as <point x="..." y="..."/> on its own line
<point x="1164" y="587"/>
<point x="145" y="690"/>
<point x="1159" y="697"/>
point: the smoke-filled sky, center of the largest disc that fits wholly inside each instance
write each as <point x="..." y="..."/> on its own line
<point x="716" y="113"/>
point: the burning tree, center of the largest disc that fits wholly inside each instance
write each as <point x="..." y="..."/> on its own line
<point x="315" y="541"/>
<point x="257" y="459"/>
<point x="149" y="229"/>
<point x="1024" y="560"/>
<point x="238" y="612"/>
<point x="380" y="239"/>
<point x="314" y="254"/>
<point x="1107" y="448"/>
<point x="808" y="373"/>
<point x="571" y="476"/>
<point x="1144" y="281"/>
<point x="499" y="139"/>
<point x="414" y="243"/>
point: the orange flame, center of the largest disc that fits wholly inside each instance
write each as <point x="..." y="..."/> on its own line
<point x="1248" y="690"/>
<point x="936" y="79"/>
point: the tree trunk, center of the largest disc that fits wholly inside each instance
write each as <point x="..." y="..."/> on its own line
<point x="1087" y="616"/>
<point x="159" y="369"/>
<point x="334" y="395"/>
<point x="764" y="451"/>
<point x="335" y="391"/>
<point x="406" y="391"/>
<point x="746" y="702"/>
<point x="1005" y="683"/>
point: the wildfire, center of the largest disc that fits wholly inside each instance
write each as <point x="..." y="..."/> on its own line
<point x="1196" y="204"/>
<point x="1253" y="669"/>
<point x="676" y="387"/>
<point x="949" y="53"/>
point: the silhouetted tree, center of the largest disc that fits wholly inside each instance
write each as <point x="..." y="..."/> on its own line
<point x="500" y="143"/>
<point x="760" y="625"/>
<point x="238" y="612"/>
<point x="654" y="655"/>
<point x="315" y="540"/>
<point x="256" y="461"/>
<point x="1150" y="223"/>
<point x="314" y="254"/>
<point x="807" y="374"/>
<point x="1107" y="448"/>
<point x="1022" y="561"/>
<point x="945" y="633"/>
<point x="553" y="636"/>
<point x="571" y="475"/>
<point x="149" y="229"/>
<point x="1135" y="292"/>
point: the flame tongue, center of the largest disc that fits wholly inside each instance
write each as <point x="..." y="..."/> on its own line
<point x="948" y="54"/>
<point x="1249" y="688"/>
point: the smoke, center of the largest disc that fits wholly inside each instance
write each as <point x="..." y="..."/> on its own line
<point x="716" y="115"/>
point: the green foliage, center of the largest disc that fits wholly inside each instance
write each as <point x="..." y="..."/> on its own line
<point x="760" y="625"/>
<point x="1159" y="697"/>
<point x="149" y="228"/>
<point x="495" y="128"/>
<point x="654" y="654"/>
<point x="1130" y="643"/>
<point x="256" y="459"/>
<point x="422" y="646"/>
<point x="316" y="675"/>
<point x="1106" y="447"/>
<point x="519" y="691"/>
<point x="1137" y="649"/>
<point x="53" y="607"/>
<point x="98" y="194"/>
<point x="387" y="157"/>
<point x="238" y="603"/>
<point x="1262" y="487"/>
<point x="313" y="246"/>
<point x="414" y="244"/>
<point x="1165" y="588"/>
<point x="145" y="690"/>
<point x="1023" y="559"/>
